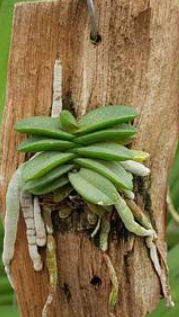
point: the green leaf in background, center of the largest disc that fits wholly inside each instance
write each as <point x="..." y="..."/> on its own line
<point x="9" y="311"/>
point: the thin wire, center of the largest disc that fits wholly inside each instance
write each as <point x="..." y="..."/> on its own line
<point x="93" y="19"/>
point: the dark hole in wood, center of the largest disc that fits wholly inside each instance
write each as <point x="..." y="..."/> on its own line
<point x="66" y="291"/>
<point x="96" y="40"/>
<point x="96" y="281"/>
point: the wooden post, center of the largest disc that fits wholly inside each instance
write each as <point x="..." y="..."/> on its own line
<point x="136" y="63"/>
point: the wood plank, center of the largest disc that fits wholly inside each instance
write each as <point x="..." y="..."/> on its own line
<point x="136" y="63"/>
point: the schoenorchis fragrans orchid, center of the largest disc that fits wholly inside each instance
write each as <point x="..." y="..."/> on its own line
<point x="89" y="157"/>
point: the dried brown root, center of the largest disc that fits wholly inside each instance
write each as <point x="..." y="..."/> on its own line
<point x="51" y="260"/>
<point x="154" y="256"/>
<point x="113" y="297"/>
<point x="48" y="302"/>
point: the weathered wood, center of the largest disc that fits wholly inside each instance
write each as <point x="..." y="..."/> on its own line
<point x="136" y="63"/>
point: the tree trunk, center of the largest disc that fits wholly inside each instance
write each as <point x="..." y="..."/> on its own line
<point x="136" y="63"/>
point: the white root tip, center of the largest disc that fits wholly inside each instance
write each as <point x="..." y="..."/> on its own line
<point x="46" y="306"/>
<point x="38" y="266"/>
<point x="41" y="242"/>
<point x="136" y="168"/>
<point x="39" y="224"/>
<point x="129" y="194"/>
<point x="170" y="303"/>
<point x="9" y="276"/>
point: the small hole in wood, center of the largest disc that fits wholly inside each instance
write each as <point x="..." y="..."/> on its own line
<point x="66" y="291"/>
<point x="96" y="281"/>
<point x="96" y="40"/>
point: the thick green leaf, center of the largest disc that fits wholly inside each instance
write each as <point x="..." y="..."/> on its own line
<point x="111" y="170"/>
<point x="46" y="126"/>
<point x="119" y="132"/>
<point x="105" y="117"/>
<point x="43" y="163"/>
<point x="105" y="151"/>
<point x="46" y="189"/>
<point x="68" y="121"/>
<point x="38" y="144"/>
<point x="93" y="187"/>
<point x="48" y="178"/>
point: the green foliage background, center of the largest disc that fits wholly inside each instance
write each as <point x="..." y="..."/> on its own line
<point x="7" y="299"/>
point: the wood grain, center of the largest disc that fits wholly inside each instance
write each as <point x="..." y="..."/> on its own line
<point x="136" y="63"/>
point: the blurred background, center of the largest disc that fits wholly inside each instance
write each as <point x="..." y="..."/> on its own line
<point x="8" y="307"/>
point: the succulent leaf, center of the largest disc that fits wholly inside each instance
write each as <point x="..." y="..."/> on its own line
<point x="38" y="144"/>
<point x="119" y="132"/>
<point x="44" y="163"/>
<point x="105" y="117"/>
<point x="109" y="169"/>
<point x="93" y="187"/>
<point x="68" y="121"/>
<point x="44" y="126"/>
<point x="105" y="151"/>
<point x="49" y="177"/>
<point x="46" y="189"/>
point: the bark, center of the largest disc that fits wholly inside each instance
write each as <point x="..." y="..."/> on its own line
<point x="136" y="63"/>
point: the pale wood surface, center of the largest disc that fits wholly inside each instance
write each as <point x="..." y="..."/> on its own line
<point x="137" y="64"/>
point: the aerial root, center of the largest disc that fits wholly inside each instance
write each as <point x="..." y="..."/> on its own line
<point x="127" y="217"/>
<point x="11" y="220"/>
<point x="104" y="232"/>
<point x="39" y="224"/>
<point x="96" y="229"/>
<point x="28" y="213"/>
